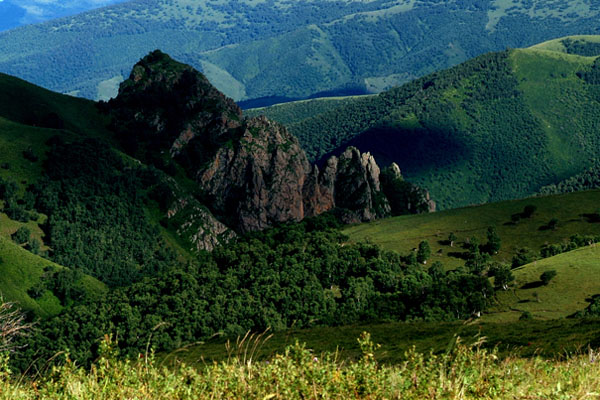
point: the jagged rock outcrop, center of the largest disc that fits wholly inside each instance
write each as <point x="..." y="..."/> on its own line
<point x="404" y="197"/>
<point x="351" y="182"/>
<point x="259" y="180"/>
<point x="251" y="173"/>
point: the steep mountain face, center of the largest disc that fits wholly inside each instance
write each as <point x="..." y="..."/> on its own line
<point x="251" y="173"/>
<point x="253" y="49"/>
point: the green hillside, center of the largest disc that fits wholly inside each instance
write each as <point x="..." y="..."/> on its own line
<point x="21" y="271"/>
<point x="575" y="282"/>
<point x="574" y="212"/>
<point x="497" y="127"/>
<point x="253" y="49"/>
<point x="570" y="291"/>
<point x="102" y="214"/>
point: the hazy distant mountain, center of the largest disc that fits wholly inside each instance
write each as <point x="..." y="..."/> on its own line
<point x="14" y="13"/>
<point x="252" y="49"/>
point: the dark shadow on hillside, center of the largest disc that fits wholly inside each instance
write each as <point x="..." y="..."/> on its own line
<point x="415" y="150"/>
<point x="463" y="255"/>
<point x="591" y="218"/>
<point x="532" y="285"/>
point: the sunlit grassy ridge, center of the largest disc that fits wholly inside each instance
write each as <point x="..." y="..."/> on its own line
<point x="570" y="291"/>
<point x="404" y="233"/>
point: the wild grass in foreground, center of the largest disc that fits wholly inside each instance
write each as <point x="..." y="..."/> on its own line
<point x="463" y="372"/>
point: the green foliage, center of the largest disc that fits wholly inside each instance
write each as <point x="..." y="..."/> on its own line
<point x="97" y="222"/>
<point x="22" y="235"/>
<point x="591" y="311"/>
<point x="503" y="276"/>
<point x="526" y="316"/>
<point x="22" y="281"/>
<point x="423" y="252"/>
<point x="451" y="239"/>
<point x="523" y="256"/>
<point x="528" y="211"/>
<point x="294" y="275"/>
<point x="403" y="196"/>
<point x="547" y="276"/>
<point x="466" y="371"/>
<point x="494" y="242"/>
<point x="589" y="179"/>
<point x="581" y="47"/>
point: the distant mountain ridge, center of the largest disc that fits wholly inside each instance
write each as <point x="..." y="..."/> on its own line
<point x="22" y="12"/>
<point x="253" y="50"/>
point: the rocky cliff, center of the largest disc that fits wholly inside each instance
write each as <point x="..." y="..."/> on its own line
<point x="251" y="173"/>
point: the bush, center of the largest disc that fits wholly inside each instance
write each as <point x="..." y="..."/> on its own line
<point x="547" y="276"/>
<point x="525" y="316"/>
<point x="523" y="256"/>
<point x="423" y="252"/>
<point x="22" y="235"/>
<point x="528" y="211"/>
<point x="30" y="155"/>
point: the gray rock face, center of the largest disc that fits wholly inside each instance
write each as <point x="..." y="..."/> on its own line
<point x="266" y="178"/>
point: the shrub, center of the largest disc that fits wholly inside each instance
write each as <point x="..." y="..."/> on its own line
<point x="528" y="211"/>
<point x="30" y="155"/>
<point x="22" y="235"/>
<point x="547" y="276"/>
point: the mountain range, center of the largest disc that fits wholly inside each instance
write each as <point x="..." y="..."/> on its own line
<point x="279" y="50"/>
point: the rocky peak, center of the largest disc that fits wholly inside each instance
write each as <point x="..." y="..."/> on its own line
<point x="258" y="180"/>
<point x="251" y="173"/>
<point x="166" y="106"/>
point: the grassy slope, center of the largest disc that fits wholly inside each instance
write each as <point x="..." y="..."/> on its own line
<point x="23" y="107"/>
<point x="523" y="338"/>
<point x="21" y="270"/>
<point x="296" y="111"/>
<point x="576" y="281"/>
<point x="577" y="270"/>
<point x="405" y="232"/>
<point x="23" y="102"/>
<point x="560" y="102"/>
